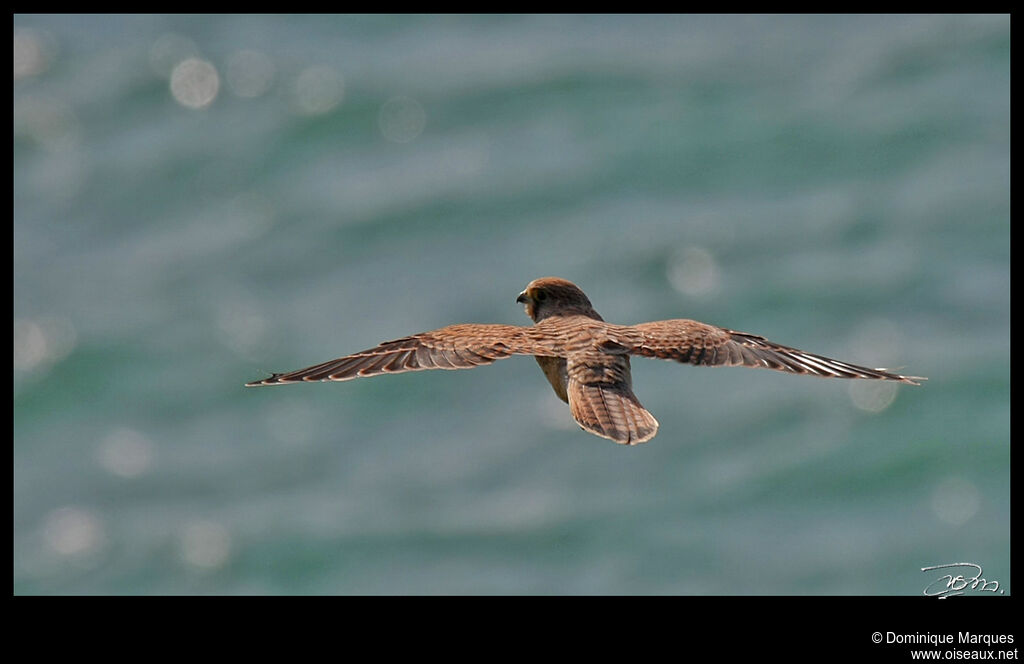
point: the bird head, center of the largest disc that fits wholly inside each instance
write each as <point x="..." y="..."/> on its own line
<point x="551" y="296"/>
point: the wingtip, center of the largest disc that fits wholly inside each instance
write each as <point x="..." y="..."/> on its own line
<point x="272" y="380"/>
<point x="909" y="380"/>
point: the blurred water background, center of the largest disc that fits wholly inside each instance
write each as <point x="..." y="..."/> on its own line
<point x="202" y="200"/>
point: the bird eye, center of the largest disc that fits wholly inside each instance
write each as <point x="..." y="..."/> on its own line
<point x="540" y="296"/>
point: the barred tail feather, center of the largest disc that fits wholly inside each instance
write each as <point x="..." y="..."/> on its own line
<point x="612" y="411"/>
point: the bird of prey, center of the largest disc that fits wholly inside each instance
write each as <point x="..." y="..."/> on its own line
<point x="585" y="359"/>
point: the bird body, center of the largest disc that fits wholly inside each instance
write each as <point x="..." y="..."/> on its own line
<point x="585" y="359"/>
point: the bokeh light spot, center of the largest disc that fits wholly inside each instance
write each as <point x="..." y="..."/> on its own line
<point x="873" y="396"/>
<point x="41" y="343"/>
<point x="73" y="531"/>
<point x="126" y="453"/>
<point x="693" y="271"/>
<point x="205" y="544"/>
<point x="34" y="51"/>
<point x="194" y="83"/>
<point x="318" y="90"/>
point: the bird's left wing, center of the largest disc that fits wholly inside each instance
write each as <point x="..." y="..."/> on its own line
<point x="697" y="343"/>
<point x="453" y="347"/>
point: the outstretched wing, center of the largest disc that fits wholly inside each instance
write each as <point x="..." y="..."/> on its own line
<point x="452" y="347"/>
<point x="697" y="343"/>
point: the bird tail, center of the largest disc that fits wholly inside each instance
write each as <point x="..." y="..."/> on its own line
<point x="611" y="410"/>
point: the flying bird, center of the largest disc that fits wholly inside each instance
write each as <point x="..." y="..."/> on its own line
<point x="585" y="359"/>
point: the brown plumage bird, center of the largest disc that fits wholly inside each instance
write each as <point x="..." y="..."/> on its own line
<point x="585" y="359"/>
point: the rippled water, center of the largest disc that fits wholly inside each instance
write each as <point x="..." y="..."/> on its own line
<point x="202" y="200"/>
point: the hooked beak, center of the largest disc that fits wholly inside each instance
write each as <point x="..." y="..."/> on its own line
<point x="523" y="298"/>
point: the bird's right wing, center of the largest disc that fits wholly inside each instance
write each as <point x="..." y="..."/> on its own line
<point x="453" y="347"/>
<point x="697" y="343"/>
